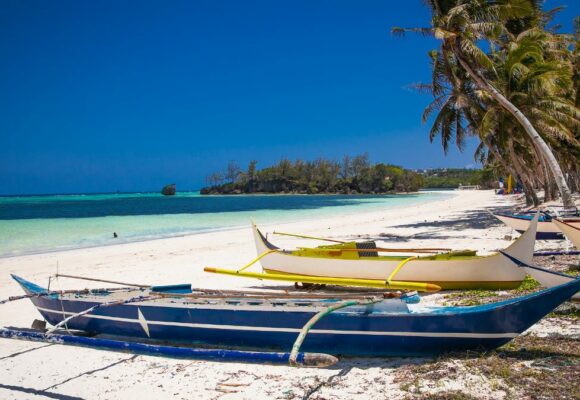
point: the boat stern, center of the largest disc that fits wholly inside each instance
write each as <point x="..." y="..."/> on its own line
<point x="523" y="247"/>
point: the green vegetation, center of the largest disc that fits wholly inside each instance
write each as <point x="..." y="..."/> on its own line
<point x="477" y="297"/>
<point x="528" y="367"/>
<point x="528" y="285"/>
<point x="502" y="74"/>
<point x="454" y="177"/>
<point x="350" y="176"/>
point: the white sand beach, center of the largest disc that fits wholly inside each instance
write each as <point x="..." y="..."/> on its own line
<point x="29" y="370"/>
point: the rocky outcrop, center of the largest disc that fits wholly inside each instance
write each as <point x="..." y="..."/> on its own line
<point x="168" y="190"/>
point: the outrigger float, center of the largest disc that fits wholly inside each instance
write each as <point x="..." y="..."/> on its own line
<point x="359" y="264"/>
<point x="348" y="325"/>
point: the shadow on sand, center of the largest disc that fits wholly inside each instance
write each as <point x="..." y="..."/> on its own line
<point x="479" y="220"/>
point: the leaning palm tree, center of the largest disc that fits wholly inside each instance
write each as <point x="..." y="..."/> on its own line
<point x="460" y="25"/>
<point x="533" y="76"/>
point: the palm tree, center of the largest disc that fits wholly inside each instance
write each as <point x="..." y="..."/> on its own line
<point x="532" y="76"/>
<point x="460" y="25"/>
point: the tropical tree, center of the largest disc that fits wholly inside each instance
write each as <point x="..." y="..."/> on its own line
<point x="534" y="77"/>
<point x="468" y="82"/>
<point x="233" y="171"/>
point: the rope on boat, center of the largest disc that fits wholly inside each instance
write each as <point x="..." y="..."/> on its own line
<point x="100" y="305"/>
<point x="293" y="360"/>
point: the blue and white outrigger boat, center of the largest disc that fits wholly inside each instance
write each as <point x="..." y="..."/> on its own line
<point x="365" y="324"/>
<point x="546" y="229"/>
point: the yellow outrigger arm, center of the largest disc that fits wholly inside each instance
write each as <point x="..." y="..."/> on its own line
<point x="376" y="283"/>
<point x="322" y="280"/>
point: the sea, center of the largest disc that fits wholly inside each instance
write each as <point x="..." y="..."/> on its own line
<point x="37" y="224"/>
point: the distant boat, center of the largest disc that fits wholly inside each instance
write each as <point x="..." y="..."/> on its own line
<point x="468" y="187"/>
<point x="453" y="270"/>
<point x="168" y="190"/>
<point x="547" y="230"/>
<point x="374" y="326"/>
<point x="520" y="222"/>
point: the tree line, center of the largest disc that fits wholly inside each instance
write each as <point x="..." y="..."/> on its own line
<point x="351" y="175"/>
<point x="505" y="75"/>
<point x="451" y="178"/>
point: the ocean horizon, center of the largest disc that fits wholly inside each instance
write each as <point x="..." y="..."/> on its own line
<point x="45" y="223"/>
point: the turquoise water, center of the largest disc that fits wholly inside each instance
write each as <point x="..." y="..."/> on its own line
<point x="32" y="224"/>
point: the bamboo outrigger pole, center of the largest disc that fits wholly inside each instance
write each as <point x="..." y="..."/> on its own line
<point x="84" y="278"/>
<point x="401" y="264"/>
<point x="430" y="250"/>
<point x="377" y="249"/>
<point x="308" y="237"/>
<point x="160" y="350"/>
<point x="376" y="283"/>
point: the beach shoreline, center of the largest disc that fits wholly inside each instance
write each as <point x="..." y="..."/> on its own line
<point x="454" y="222"/>
<point x="131" y="231"/>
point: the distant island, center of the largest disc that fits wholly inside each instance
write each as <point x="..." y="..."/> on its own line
<point x="352" y="175"/>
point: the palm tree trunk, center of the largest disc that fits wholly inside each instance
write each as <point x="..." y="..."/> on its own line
<point x="541" y="145"/>
<point x="521" y="173"/>
<point x="528" y="184"/>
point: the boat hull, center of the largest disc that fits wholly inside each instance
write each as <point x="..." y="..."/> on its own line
<point x="546" y="230"/>
<point x="270" y="331"/>
<point x="571" y="229"/>
<point x="488" y="272"/>
<point x="388" y="328"/>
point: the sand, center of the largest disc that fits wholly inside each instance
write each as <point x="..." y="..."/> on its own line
<point x="30" y="370"/>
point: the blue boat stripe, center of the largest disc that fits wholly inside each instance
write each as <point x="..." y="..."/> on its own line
<point x="295" y="330"/>
<point x="522" y="264"/>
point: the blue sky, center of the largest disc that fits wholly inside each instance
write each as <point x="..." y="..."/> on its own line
<point x="130" y="95"/>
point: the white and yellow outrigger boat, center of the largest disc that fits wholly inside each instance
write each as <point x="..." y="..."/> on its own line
<point x="359" y="264"/>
